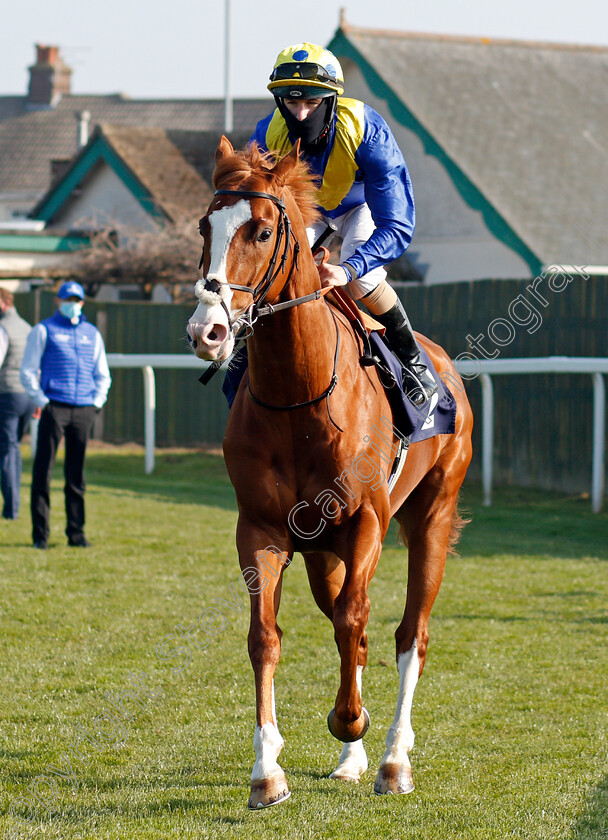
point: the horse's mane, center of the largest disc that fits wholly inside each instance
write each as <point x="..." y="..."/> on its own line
<point x="232" y="169"/>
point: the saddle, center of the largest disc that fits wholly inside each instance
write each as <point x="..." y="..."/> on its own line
<point x="435" y="417"/>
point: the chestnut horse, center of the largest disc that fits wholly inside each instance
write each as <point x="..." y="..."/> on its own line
<point x="300" y="451"/>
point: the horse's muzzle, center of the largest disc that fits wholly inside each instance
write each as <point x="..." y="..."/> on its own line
<point x="209" y="341"/>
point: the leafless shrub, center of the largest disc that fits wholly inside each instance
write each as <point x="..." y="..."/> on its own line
<point x="121" y="254"/>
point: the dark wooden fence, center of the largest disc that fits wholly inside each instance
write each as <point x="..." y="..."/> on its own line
<point x="543" y="422"/>
<point x="187" y="413"/>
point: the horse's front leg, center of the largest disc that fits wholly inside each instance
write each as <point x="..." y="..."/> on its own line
<point x="348" y="720"/>
<point x="262" y="571"/>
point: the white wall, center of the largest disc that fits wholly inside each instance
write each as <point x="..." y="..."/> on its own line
<point x="104" y="200"/>
<point x="451" y="241"/>
<point x="111" y="292"/>
<point x="19" y="203"/>
<point x="32" y="261"/>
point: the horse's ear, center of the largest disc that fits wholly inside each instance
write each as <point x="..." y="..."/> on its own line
<point x="287" y="163"/>
<point x="225" y="148"/>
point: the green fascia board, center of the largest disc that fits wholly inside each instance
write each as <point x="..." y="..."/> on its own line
<point x="46" y="243"/>
<point x="341" y="45"/>
<point x="97" y="150"/>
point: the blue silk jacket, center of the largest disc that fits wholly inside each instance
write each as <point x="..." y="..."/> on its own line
<point x="361" y="164"/>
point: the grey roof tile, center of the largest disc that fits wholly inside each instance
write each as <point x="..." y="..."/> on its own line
<point x="31" y="140"/>
<point x="174" y="167"/>
<point x="527" y="124"/>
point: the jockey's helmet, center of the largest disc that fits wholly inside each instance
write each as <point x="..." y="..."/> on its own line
<point x="306" y="71"/>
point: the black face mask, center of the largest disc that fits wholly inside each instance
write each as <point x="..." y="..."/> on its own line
<point x="315" y="130"/>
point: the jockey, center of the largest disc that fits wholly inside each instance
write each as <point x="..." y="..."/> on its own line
<point x="365" y="188"/>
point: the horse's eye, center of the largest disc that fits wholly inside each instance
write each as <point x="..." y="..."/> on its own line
<point x="265" y="235"/>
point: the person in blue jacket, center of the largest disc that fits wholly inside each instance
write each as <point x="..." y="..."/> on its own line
<point x="65" y="372"/>
<point x="365" y="189"/>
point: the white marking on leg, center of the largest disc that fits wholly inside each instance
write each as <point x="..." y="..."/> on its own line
<point x="400" y="737"/>
<point x="267" y="743"/>
<point x="353" y="758"/>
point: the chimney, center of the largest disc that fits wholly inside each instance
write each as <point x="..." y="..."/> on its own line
<point x="82" y="137"/>
<point x="49" y="78"/>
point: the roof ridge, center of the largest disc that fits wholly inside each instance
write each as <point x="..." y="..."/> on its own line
<point x="480" y="40"/>
<point x="129" y="100"/>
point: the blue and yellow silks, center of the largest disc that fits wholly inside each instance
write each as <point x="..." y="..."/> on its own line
<point x="361" y="164"/>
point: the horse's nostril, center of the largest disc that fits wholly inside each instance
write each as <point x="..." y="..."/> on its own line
<point x="212" y="335"/>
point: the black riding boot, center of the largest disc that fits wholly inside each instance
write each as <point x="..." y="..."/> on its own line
<point x="419" y="384"/>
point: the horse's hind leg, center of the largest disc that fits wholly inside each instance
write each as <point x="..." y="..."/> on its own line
<point x="426" y="519"/>
<point x="326" y="575"/>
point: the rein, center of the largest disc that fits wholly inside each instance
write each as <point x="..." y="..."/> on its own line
<point x="326" y="393"/>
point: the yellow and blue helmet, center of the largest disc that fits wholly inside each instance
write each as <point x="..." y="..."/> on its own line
<point x="306" y="71"/>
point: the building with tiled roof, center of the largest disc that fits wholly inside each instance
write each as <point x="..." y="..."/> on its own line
<point x="133" y="176"/>
<point x="506" y="142"/>
<point x="40" y="132"/>
<point x="127" y="180"/>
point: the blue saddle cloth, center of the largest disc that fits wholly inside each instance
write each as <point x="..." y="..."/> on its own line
<point x="436" y="417"/>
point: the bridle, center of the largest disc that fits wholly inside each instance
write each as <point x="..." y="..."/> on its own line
<point x="242" y="327"/>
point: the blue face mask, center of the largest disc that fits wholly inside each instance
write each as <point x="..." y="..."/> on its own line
<point x="71" y="309"/>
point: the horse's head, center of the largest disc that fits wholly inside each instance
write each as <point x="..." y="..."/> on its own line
<point x="247" y="233"/>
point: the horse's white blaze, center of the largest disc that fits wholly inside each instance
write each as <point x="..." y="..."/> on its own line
<point x="224" y="224"/>
<point x="400" y="737"/>
<point x="353" y="758"/>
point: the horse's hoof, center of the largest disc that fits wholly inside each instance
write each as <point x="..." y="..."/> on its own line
<point x="348" y="732"/>
<point x="394" y="778"/>
<point x="345" y="776"/>
<point x="353" y="763"/>
<point x="267" y="792"/>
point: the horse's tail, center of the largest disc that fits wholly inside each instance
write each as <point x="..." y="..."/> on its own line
<point x="456" y="525"/>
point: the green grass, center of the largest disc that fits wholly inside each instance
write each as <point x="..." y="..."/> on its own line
<point x="510" y="716"/>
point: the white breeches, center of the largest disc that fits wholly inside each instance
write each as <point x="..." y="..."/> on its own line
<point x="355" y="228"/>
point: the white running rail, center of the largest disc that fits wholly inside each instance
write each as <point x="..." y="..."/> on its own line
<point x="485" y="369"/>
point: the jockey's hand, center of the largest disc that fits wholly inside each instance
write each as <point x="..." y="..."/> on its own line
<point x="332" y="275"/>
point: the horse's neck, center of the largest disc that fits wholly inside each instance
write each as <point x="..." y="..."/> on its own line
<point x="291" y="353"/>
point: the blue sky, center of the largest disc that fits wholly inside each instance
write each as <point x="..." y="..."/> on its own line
<point x="176" y="49"/>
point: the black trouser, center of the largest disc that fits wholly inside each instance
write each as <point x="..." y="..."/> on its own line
<point x="75" y="423"/>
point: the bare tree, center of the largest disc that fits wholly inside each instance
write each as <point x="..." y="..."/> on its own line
<point x="168" y="255"/>
<point x="121" y="254"/>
